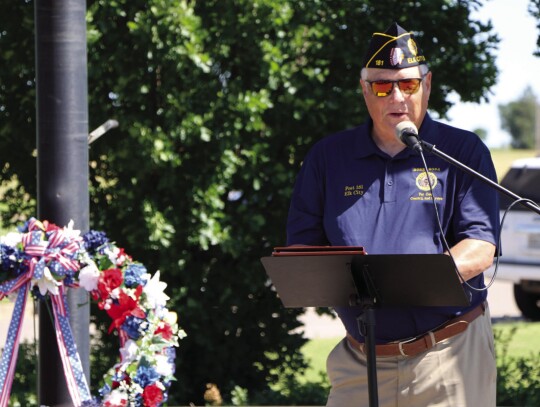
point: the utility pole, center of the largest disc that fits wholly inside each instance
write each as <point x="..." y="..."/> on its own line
<point x="62" y="166"/>
<point x="537" y="130"/>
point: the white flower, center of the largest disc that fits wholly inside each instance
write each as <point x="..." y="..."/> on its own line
<point x="11" y="239"/>
<point x="47" y="283"/>
<point x="107" y="304"/>
<point x="89" y="277"/>
<point x="154" y="292"/>
<point x="115" y="255"/>
<point x="171" y="318"/>
<point x="114" y="294"/>
<point x="181" y="334"/>
<point x="112" y="253"/>
<point x="129" y="351"/>
<point x="116" y="398"/>
<point x="163" y="366"/>
<point x="71" y="234"/>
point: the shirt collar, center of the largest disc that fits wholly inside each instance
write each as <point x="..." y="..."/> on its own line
<point x="365" y="146"/>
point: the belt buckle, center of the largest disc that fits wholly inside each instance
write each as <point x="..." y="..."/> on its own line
<point x="418" y="338"/>
<point x="401" y="343"/>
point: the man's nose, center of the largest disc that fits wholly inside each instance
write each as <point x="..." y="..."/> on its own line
<point x="396" y="94"/>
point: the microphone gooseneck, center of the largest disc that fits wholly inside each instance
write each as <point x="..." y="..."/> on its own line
<point x="407" y="133"/>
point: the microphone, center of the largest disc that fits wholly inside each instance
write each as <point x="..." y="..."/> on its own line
<point x="407" y="133"/>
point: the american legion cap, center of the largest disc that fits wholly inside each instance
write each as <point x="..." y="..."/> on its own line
<point x="393" y="49"/>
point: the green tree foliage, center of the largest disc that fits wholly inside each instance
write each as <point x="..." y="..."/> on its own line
<point x="218" y="102"/>
<point x="534" y="10"/>
<point x="518" y="118"/>
<point x="482" y="133"/>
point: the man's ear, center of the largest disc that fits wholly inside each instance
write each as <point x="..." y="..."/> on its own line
<point x="363" y="86"/>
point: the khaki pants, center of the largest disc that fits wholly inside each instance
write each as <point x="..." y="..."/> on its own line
<point x="458" y="372"/>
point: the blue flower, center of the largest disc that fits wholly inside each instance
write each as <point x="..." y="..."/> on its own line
<point x="11" y="261"/>
<point x="138" y="402"/>
<point x="36" y="294"/>
<point x="106" y="389"/>
<point x="24" y="228"/>
<point x="69" y="280"/>
<point x="131" y="327"/>
<point x="94" y="239"/>
<point x="145" y="376"/>
<point x="135" y="275"/>
<point x="94" y="402"/>
<point x="170" y="352"/>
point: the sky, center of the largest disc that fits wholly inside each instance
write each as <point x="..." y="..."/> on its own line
<point x="518" y="68"/>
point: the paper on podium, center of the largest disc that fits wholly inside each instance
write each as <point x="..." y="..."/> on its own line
<point x="317" y="250"/>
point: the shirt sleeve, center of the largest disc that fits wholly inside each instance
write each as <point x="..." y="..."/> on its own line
<point x="305" y="221"/>
<point x="477" y="214"/>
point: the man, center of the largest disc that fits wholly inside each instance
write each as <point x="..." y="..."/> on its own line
<point x="364" y="187"/>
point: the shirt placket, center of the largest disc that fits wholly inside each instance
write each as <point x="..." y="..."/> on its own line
<point x="389" y="182"/>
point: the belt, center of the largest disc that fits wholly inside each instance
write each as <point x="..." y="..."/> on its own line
<point x="427" y="341"/>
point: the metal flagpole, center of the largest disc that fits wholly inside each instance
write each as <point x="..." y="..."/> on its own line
<point x="62" y="166"/>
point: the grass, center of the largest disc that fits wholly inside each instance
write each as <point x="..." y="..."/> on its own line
<point x="503" y="158"/>
<point x="523" y="344"/>
<point x="315" y="351"/>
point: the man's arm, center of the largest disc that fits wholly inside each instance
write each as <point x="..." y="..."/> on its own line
<point x="472" y="256"/>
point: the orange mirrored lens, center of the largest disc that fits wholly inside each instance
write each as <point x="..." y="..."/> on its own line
<point x="409" y="86"/>
<point x="384" y="88"/>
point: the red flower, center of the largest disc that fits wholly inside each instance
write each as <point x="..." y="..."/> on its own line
<point x="152" y="396"/>
<point x="49" y="226"/>
<point x="126" y="306"/>
<point x="122" y="257"/>
<point x="123" y="403"/>
<point x="108" y="281"/>
<point x="122" y="377"/>
<point x="164" y="330"/>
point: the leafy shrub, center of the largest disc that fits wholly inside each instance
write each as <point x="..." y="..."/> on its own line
<point x="518" y="381"/>
<point x="518" y="378"/>
<point x="290" y="393"/>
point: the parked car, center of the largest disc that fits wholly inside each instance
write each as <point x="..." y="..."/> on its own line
<point x="520" y="260"/>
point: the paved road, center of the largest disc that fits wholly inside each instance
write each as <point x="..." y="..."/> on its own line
<point x="6" y="309"/>
<point x="501" y="304"/>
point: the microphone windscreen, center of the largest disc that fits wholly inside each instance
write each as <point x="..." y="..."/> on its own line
<point x="405" y="127"/>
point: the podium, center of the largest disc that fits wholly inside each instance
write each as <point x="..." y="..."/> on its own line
<point x="308" y="277"/>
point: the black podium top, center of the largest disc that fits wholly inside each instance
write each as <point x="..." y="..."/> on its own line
<point x="338" y="280"/>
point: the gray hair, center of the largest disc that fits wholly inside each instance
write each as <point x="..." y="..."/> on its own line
<point x="424" y="69"/>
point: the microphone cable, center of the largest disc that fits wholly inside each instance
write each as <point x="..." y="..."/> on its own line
<point x="407" y="133"/>
<point x="445" y="242"/>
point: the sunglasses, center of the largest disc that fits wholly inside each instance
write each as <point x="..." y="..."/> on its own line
<point x="407" y="86"/>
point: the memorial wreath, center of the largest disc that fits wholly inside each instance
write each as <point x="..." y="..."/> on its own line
<point x="45" y="260"/>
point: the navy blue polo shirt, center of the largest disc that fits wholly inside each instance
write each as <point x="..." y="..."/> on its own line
<point x="350" y="193"/>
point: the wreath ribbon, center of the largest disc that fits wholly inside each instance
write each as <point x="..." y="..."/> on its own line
<point x="73" y="371"/>
<point x="45" y="260"/>
<point x="58" y="255"/>
<point x="11" y="349"/>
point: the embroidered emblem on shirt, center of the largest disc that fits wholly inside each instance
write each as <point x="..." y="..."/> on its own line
<point x="423" y="191"/>
<point x="422" y="181"/>
<point x="353" y="190"/>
